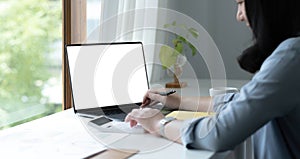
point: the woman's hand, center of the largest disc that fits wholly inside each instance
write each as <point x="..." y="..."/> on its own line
<point x="152" y="97"/>
<point x="148" y="118"/>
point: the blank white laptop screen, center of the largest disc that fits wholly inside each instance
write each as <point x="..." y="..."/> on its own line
<point x="107" y="74"/>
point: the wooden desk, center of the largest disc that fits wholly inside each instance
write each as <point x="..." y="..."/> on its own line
<point x="62" y="135"/>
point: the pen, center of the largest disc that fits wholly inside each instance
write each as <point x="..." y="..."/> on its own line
<point x="160" y="93"/>
<point x="167" y="93"/>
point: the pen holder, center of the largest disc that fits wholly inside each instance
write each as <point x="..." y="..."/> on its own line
<point x="176" y="83"/>
<point x="175" y="72"/>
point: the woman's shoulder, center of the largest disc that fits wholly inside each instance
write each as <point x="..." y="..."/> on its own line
<point x="288" y="45"/>
<point x="286" y="52"/>
<point x="284" y="62"/>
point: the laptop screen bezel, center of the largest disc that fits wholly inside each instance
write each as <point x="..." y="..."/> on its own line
<point x="68" y="72"/>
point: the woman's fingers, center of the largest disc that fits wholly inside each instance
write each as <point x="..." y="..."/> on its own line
<point x="153" y="103"/>
<point x="149" y="100"/>
<point x="148" y="118"/>
<point x="146" y="102"/>
<point x="157" y="98"/>
<point x="133" y="123"/>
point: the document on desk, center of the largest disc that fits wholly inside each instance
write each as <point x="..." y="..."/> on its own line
<point x="56" y="136"/>
<point x="184" y="115"/>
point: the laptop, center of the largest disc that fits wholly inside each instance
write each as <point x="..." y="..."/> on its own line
<point x="107" y="78"/>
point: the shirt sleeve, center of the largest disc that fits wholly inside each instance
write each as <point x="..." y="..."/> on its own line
<point x="272" y="93"/>
<point x="220" y="100"/>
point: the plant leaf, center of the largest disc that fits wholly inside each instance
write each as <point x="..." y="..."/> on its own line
<point x="194" y="50"/>
<point x="167" y="56"/>
<point x="175" y="41"/>
<point x="194" y="32"/>
<point x="179" y="47"/>
<point x="182" y="39"/>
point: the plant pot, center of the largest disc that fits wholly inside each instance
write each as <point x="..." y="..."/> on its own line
<point x="175" y="71"/>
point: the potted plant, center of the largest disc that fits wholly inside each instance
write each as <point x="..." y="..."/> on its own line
<point x="173" y="57"/>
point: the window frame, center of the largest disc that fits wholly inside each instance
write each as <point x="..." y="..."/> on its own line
<point x="74" y="31"/>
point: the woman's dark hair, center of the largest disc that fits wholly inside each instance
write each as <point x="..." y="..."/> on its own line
<point x="272" y="21"/>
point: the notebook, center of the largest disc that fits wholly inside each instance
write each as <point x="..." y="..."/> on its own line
<point x="184" y="115"/>
<point x="107" y="78"/>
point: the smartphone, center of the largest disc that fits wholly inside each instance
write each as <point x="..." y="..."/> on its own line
<point x="101" y="120"/>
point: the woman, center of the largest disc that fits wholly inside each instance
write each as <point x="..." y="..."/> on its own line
<point x="266" y="109"/>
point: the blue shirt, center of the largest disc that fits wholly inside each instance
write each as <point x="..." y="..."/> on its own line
<point x="267" y="109"/>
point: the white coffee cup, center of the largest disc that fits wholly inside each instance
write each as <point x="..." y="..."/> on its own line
<point x="222" y="90"/>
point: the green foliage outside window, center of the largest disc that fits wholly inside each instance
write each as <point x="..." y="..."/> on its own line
<point x="28" y="28"/>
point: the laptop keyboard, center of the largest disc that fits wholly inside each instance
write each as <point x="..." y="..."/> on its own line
<point x="120" y="117"/>
<point x="94" y="113"/>
<point x="118" y="113"/>
<point x="111" y="113"/>
<point x="114" y="111"/>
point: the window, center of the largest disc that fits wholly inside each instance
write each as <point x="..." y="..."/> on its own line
<point x="30" y="60"/>
<point x="81" y="17"/>
<point x="93" y="15"/>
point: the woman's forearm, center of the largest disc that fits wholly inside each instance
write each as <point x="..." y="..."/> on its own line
<point x="195" y="103"/>
<point x="172" y="131"/>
